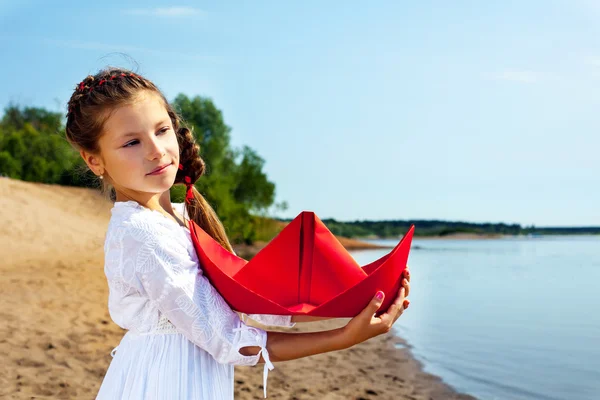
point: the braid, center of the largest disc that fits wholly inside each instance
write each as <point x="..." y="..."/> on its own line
<point x="109" y="79"/>
<point x="192" y="168"/>
<point x="193" y="164"/>
<point x="78" y="94"/>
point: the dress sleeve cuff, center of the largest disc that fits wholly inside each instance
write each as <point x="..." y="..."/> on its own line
<point x="251" y="336"/>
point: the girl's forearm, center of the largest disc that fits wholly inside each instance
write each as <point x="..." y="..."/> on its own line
<point x="284" y="346"/>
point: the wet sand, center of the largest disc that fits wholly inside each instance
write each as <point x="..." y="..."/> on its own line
<point x="56" y="335"/>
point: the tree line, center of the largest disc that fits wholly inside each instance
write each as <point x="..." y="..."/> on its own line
<point x="33" y="148"/>
<point x="397" y="228"/>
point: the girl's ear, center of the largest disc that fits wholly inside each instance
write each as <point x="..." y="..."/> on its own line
<point x="93" y="162"/>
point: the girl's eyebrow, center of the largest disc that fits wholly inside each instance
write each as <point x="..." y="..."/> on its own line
<point x="126" y="135"/>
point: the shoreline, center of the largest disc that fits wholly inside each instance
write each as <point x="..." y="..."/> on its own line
<point x="375" y="369"/>
<point x="51" y="352"/>
<point x="464" y="236"/>
<point x="248" y="251"/>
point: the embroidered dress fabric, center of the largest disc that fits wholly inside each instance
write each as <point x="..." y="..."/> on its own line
<point x="182" y="338"/>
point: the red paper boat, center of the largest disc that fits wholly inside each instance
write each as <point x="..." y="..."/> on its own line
<point x="304" y="270"/>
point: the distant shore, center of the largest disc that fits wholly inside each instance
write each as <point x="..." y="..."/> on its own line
<point x="476" y="236"/>
<point x="463" y="236"/>
<point x="248" y="251"/>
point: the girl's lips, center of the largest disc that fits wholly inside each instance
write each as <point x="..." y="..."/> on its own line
<point x="159" y="170"/>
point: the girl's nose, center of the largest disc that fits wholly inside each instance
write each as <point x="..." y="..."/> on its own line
<point x="155" y="149"/>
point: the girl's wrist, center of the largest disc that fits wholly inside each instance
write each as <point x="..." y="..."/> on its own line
<point x="347" y="338"/>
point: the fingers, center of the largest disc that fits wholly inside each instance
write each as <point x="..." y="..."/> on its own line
<point x="401" y="296"/>
<point x="406" y="286"/>
<point x="400" y="304"/>
<point x="405" y="304"/>
<point x="401" y="299"/>
<point x="395" y="309"/>
<point x="375" y="303"/>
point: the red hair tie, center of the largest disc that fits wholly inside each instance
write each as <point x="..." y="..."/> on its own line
<point x="189" y="194"/>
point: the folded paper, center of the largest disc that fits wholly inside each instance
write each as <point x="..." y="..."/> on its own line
<point x="304" y="270"/>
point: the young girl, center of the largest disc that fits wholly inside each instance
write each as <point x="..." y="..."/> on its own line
<point x="182" y="338"/>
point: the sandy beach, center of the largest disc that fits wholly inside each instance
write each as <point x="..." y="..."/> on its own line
<point x="56" y="336"/>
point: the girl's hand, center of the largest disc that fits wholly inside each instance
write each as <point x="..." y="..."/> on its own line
<point x="366" y="325"/>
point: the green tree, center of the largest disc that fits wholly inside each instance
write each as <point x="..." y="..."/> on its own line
<point x="41" y="119"/>
<point x="253" y="187"/>
<point x="234" y="183"/>
<point x="9" y="166"/>
<point x="35" y="150"/>
<point x="210" y="131"/>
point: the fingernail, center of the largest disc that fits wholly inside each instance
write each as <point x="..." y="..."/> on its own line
<point x="406" y="304"/>
<point x="379" y="295"/>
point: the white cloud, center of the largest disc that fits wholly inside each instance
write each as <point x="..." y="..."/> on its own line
<point x="514" y="75"/>
<point x="171" y="12"/>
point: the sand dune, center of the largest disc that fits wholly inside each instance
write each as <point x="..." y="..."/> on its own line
<point x="56" y="335"/>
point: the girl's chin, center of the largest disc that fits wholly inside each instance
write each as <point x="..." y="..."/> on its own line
<point x="160" y="185"/>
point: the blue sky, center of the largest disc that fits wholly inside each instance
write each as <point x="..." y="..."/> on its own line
<point x="478" y="111"/>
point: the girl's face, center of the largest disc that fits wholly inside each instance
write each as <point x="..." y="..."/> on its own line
<point x="137" y="140"/>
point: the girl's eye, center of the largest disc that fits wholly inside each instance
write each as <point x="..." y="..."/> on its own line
<point x="162" y="131"/>
<point x="131" y="143"/>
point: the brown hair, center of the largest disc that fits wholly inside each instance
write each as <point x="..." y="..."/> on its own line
<point x="92" y="103"/>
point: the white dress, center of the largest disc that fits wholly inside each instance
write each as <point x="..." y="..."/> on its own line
<point x="182" y="338"/>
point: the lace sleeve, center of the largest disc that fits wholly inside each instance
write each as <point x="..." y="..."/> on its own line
<point x="271" y="320"/>
<point x="175" y="285"/>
